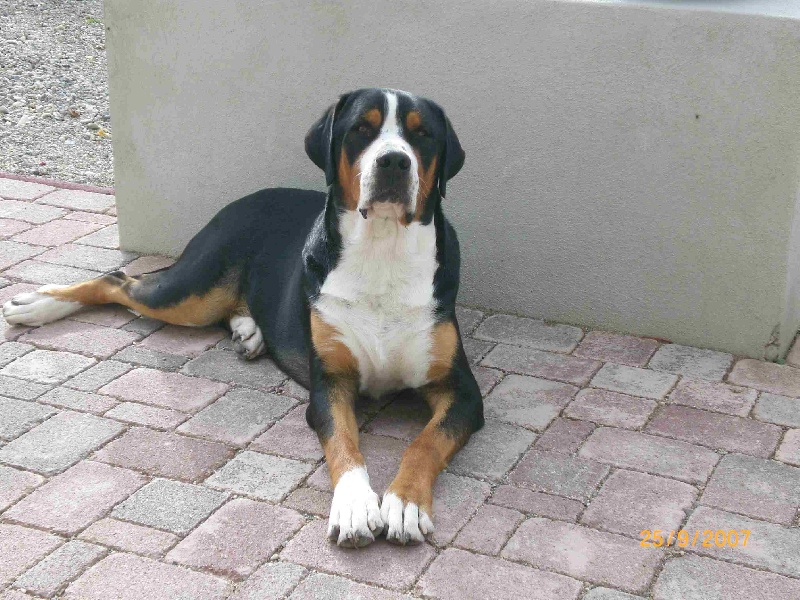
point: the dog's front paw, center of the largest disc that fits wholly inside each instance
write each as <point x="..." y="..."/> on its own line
<point x="406" y="522"/>
<point x="355" y="517"/>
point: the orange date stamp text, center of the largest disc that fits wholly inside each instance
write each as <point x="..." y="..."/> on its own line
<point x="682" y="538"/>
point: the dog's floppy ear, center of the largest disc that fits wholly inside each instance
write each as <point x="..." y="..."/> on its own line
<point x="319" y="140"/>
<point x="453" y="157"/>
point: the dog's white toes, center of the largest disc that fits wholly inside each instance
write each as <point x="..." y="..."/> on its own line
<point x="248" y="341"/>
<point x="405" y="522"/>
<point x="355" y="517"/>
<point x="37" y="308"/>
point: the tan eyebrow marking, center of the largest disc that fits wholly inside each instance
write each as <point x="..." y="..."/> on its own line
<point x="413" y="120"/>
<point x="373" y="117"/>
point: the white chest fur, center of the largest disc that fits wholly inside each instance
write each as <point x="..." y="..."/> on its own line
<point x="380" y="298"/>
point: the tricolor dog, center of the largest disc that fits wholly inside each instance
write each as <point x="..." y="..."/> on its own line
<point x="351" y="292"/>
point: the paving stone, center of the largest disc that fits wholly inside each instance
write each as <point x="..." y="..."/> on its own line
<point x="12" y="350"/>
<point x="273" y="580"/>
<point x="79" y="200"/>
<point x="9" y="227"/>
<point x="85" y="338"/>
<point x="129" y="537"/>
<point x="455" y="500"/>
<point x="486" y="378"/>
<point x="528" y="401"/>
<point x="541" y="364"/>
<point x="71" y="501"/>
<point x="756" y="487"/>
<point x="78" y="400"/>
<point x="185" y="341"/>
<point x="468" y="319"/>
<point x="537" y="503"/>
<point x="151" y="358"/>
<point x="26" y="211"/>
<point x="227" y="366"/>
<point x="15" y="595"/>
<point x="260" y="475"/>
<point x="629" y="502"/>
<point x="484" y="458"/>
<point x="56" y="233"/>
<point x="733" y="434"/>
<point x="717" y="397"/>
<point x="170" y="505"/>
<point x="167" y="390"/>
<point x="634" y="450"/>
<point x="489" y="529"/>
<point x="294" y="390"/>
<point x="769" y="546"/>
<point x="696" y="578"/>
<point x="600" y="593"/>
<point x="531" y="333"/>
<point x="151" y="416"/>
<point x="595" y="556"/>
<point x="16" y="484"/>
<point x="97" y="376"/>
<point x="148" y="264"/>
<point x="12" y="252"/>
<point x="311" y="548"/>
<point x="237" y="538"/>
<point x="17" y="417"/>
<point x="310" y="500"/>
<point x="108" y="315"/>
<point x="692" y="362"/>
<point x="457" y="575"/>
<point x="564" y="436"/>
<point x="63" y="565"/>
<point x="789" y="451"/>
<point x="58" y="442"/>
<point x="19" y="388"/>
<point x="476" y="349"/>
<point x="165" y="454"/>
<point x="616" y="348"/>
<point x="778" y="409"/>
<point x="91" y="217"/>
<point x="21" y="548"/>
<point x="128" y="577"/>
<point x="23" y="190"/>
<point x="569" y="476"/>
<point x="290" y="437"/>
<point x="238" y="417"/>
<point x="404" y="418"/>
<point x="610" y="408"/>
<point x="768" y="377"/>
<point x="144" y="326"/>
<point x="46" y="366"/>
<point x="320" y="586"/>
<point x="634" y="381"/>
<point x="84" y="257"/>
<point x="105" y="238"/>
<point x="47" y="273"/>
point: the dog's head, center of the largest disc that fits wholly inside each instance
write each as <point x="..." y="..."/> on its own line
<point x="386" y="152"/>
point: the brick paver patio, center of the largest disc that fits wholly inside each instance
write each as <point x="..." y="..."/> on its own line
<point x="141" y="461"/>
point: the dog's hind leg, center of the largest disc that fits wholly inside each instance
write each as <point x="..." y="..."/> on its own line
<point x="157" y="295"/>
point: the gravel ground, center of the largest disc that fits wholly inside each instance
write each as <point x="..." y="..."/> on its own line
<point x="54" y="119"/>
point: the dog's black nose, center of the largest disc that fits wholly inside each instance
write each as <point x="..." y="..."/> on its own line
<point x="394" y="161"/>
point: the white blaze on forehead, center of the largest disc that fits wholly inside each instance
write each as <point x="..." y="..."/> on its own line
<point x="389" y="139"/>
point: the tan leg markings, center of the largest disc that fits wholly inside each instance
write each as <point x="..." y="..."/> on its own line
<point x="341" y="448"/>
<point x="444" y="343"/>
<point x="215" y="305"/>
<point x="335" y="356"/>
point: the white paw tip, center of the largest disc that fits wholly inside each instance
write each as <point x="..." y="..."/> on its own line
<point x="405" y="522"/>
<point x="355" y="517"/>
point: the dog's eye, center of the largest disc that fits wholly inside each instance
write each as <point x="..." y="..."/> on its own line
<point x="363" y="128"/>
<point x="422" y="132"/>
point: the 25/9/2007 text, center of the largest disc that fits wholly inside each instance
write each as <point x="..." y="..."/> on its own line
<point x="683" y="538"/>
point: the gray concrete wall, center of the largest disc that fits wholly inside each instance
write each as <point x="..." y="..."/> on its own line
<point x="627" y="168"/>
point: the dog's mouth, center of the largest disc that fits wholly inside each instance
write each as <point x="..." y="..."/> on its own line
<point x="386" y="209"/>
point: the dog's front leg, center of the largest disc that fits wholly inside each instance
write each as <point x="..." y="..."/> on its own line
<point x="457" y="412"/>
<point x="355" y="517"/>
